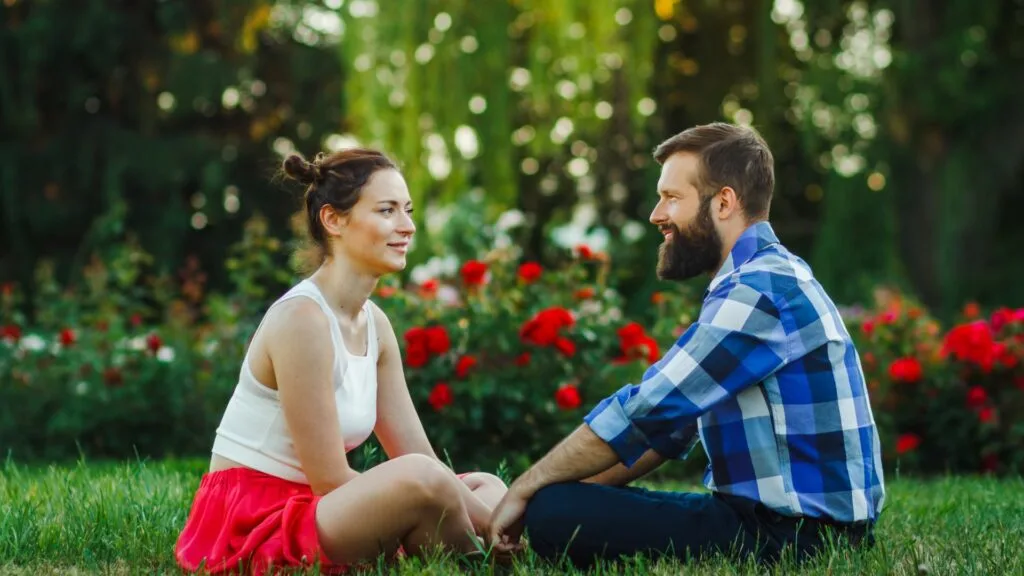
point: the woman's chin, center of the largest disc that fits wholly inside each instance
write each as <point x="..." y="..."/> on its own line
<point x="392" y="265"/>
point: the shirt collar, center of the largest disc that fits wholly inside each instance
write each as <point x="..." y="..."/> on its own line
<point x="755" y="238"/>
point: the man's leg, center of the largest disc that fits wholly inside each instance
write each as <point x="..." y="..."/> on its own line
<point x="585" y="522"/>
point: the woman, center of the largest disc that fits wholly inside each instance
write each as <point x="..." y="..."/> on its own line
<point x="322" y="372"/>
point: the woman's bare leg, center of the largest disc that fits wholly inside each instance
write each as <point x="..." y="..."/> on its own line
<point x="487" y="487"/>
<point x="412" y="501"/>
<point x="481" y="492"/>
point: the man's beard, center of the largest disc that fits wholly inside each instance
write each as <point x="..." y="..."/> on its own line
<point x="689" y="253"/>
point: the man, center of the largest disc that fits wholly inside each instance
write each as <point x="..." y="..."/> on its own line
<point x="767" y="377"/>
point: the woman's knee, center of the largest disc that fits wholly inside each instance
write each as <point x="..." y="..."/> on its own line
<point x="429" y="481"/>
<point x="477" y="480"/>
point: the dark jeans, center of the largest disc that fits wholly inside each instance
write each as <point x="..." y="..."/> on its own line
<point x="586" y="522"/>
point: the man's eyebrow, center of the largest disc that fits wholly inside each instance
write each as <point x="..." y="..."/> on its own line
<point x="669" y="192"/>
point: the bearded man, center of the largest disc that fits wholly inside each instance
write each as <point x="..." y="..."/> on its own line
<point x="767" y="379"/>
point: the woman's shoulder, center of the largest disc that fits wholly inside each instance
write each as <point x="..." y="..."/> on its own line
<point x="296" y="316"/>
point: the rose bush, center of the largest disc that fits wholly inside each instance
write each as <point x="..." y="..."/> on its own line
<point x="946" y="401"/>
<point x="502" y="358"/>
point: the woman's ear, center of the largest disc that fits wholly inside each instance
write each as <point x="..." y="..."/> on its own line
<point x="333" y="222"/>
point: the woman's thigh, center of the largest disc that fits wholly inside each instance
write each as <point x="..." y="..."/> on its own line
<point x="372" y="513"/>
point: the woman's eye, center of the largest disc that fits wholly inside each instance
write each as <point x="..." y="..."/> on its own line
<point x="387" y="211"/>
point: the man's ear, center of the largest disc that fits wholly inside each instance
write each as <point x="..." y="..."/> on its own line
<point x="728" y="203"/>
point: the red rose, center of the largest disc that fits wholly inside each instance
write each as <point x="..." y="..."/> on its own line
<point x="112" y="377"/>
<point x="972" y="310"/>
<point x="437" y="340"/>
<point x="10" y="332"/>
<point x="971" y="343"/>
<point x="428" y="289"/>
<point x="387" y="291"/>
<point x="906" y="370"/>
<point x="976" y="396"/>
<point x="463" y="365"/>
<point x="543" y="329"/>
<point x="568" y="397"/>
<point x="986" y="414"/>
<point x="907" y="443"/>
<point x="636" y="345"/>
<point x="473" y="273"/>
<point x="566" y="347"/>
<point x="1004" y="355"/>
<point x="584" y="293"/>
<point x="888" y="317"/>
<point x="868" y="327"/>
<point x="1000" y="318"/>
<point x="67" y="337"/>
<point x="584" y="252"/>
<point x="523" y="359"/>
<point x="630" y="333"/>
<point x="153" y="343"/>
<point x="416" y="355"/>
<point x="539" y="333"/>
<point x="440" y="396"/>
<point x="529" y="272"/>
<point x="136" y="320"/>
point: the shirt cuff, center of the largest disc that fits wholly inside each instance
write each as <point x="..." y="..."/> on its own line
<point x="610" y="423"/>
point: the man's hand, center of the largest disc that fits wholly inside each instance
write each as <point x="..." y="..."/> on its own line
<point x="580" y="455"/>
<point x="506" y="526"/>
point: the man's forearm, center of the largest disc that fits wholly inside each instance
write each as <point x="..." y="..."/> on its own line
<point x="581" y="455"/>
<point x="619" y="475"/>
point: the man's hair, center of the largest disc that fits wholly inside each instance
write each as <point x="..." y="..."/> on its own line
<point x="730" y="155"/>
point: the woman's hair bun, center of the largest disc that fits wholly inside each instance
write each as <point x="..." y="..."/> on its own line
<point x="299" y="169"/>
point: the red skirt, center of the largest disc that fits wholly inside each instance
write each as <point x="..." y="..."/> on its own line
<point x="244" y="521"/>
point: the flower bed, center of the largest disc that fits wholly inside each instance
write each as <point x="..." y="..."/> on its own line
<point x="502" y="358"/>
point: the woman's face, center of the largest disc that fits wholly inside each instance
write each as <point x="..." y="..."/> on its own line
<point x="376" y="234"/>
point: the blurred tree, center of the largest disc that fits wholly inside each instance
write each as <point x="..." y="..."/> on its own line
<point x="541" y="105"/>
<point x="913" y="108"/>
<point x="156" y="119"/>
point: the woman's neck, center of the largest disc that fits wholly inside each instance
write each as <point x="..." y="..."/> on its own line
<point x="345" y="287"/>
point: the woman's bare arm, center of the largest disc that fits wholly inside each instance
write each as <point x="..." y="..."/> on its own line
<point x="302" y="354"/>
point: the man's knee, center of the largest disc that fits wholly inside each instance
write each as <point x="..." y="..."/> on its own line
<point x="549" y="519"/>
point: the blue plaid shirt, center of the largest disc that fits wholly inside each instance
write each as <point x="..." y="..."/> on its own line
<point x="769" y="379"/>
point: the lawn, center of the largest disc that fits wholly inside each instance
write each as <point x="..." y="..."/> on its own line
<point x="123" y="519"/>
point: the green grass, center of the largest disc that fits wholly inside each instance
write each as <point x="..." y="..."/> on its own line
<point x="124" y="518"/>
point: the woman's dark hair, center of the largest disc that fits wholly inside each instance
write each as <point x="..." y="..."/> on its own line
<point x="336" y="179"/>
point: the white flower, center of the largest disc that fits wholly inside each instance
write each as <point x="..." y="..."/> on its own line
<point x="211" y="348"/>
<point x="509" y="220"/>
<point x="81" y="388"/>
<point x="33" y="343"/>
<point x="138" y="344"/>
<point x="448" y="265"/>
<point x="165" y="354"/>
<point x="448" y="294"/>
<point x="590" y="307"/>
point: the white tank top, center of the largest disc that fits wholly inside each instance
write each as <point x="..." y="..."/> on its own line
<point x="253" y="431"/>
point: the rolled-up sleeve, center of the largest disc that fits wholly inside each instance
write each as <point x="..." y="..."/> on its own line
<point x="737" y="342"/>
